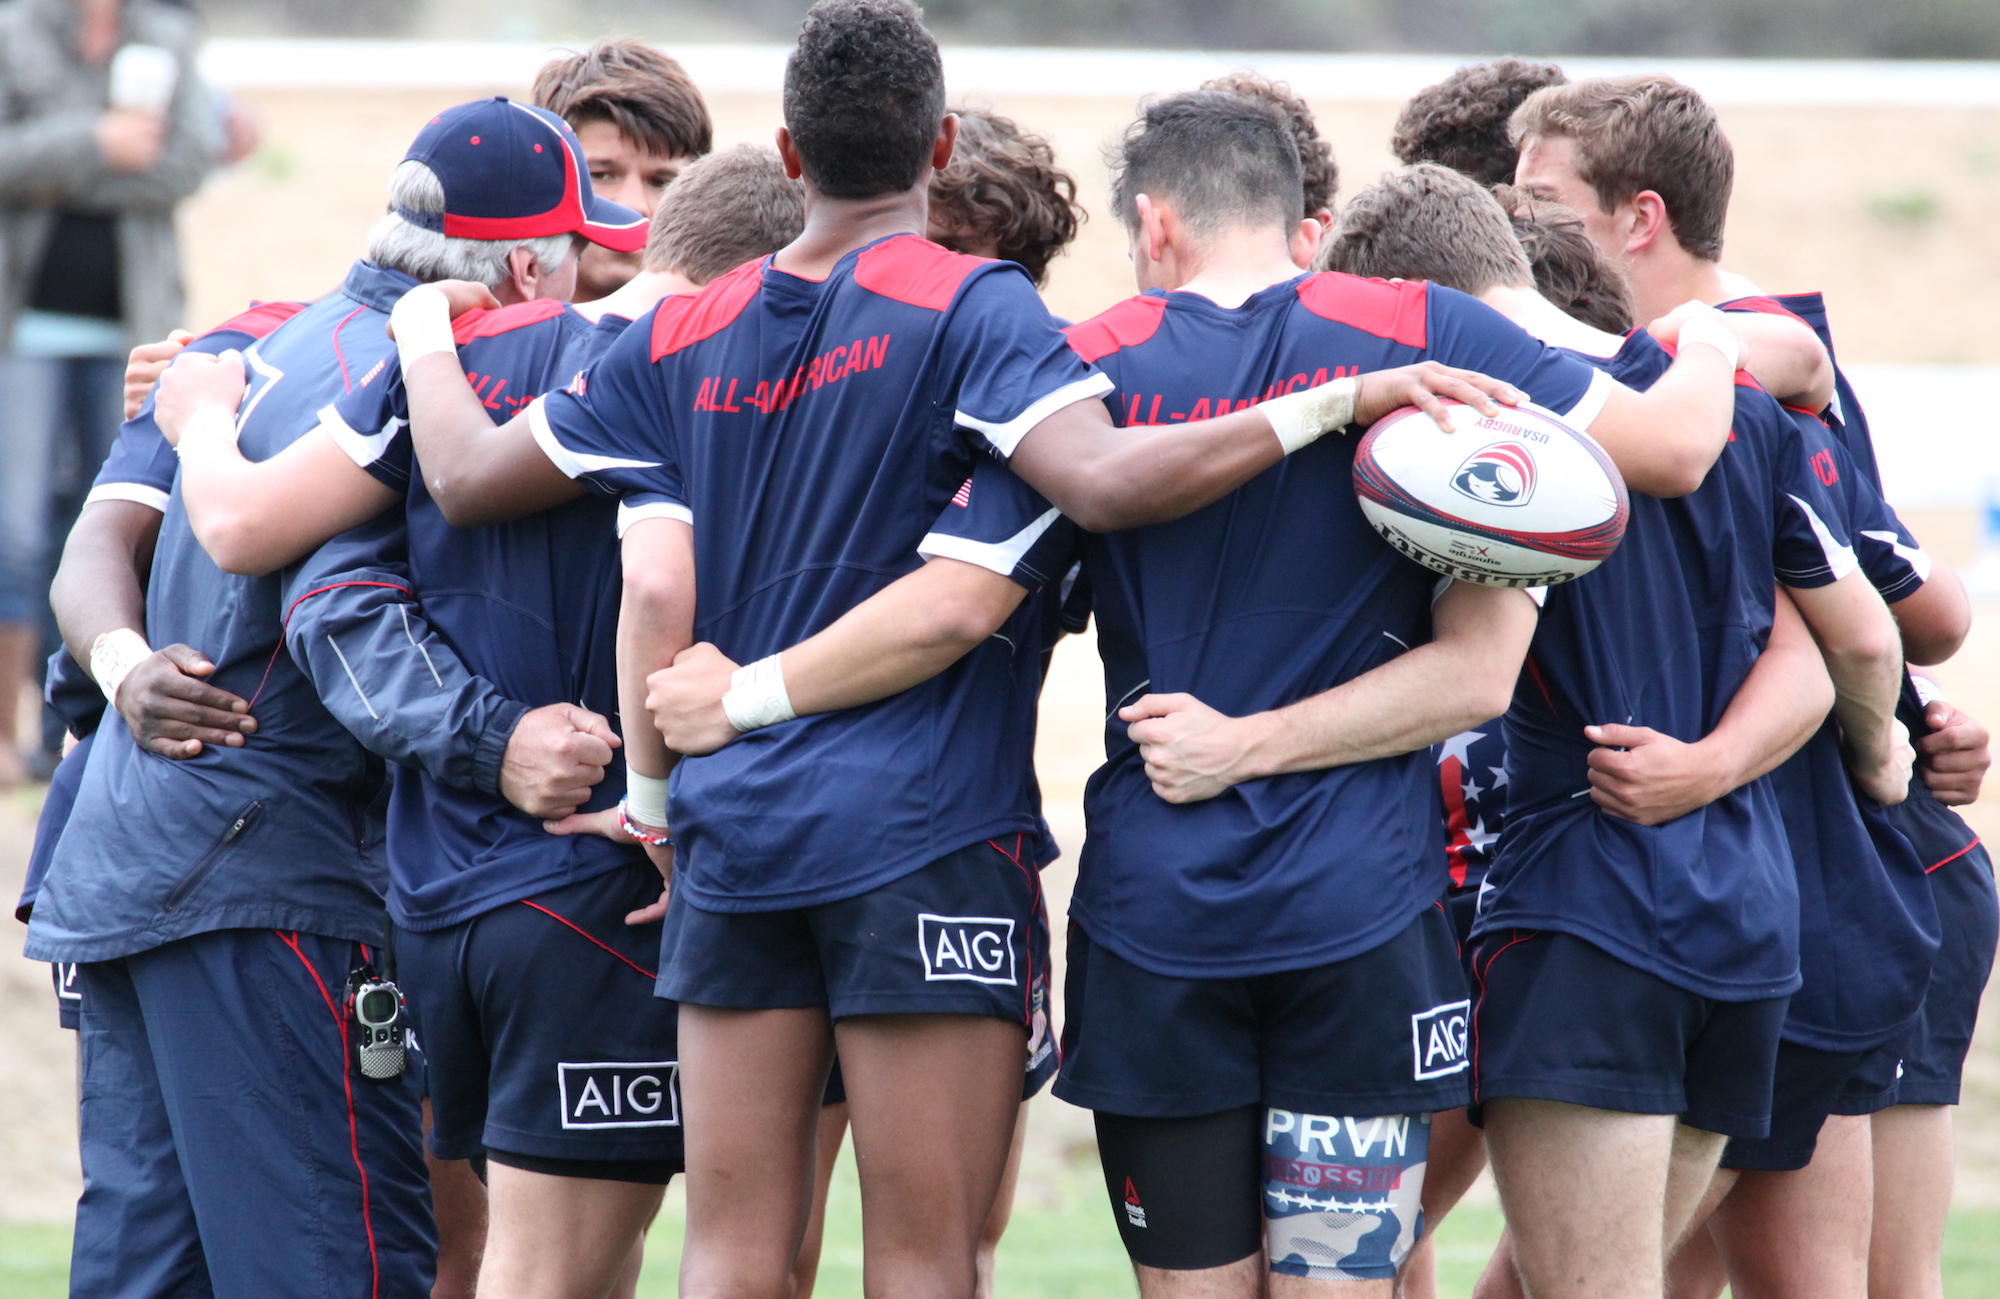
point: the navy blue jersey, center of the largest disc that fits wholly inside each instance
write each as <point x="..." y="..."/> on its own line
<point x="1277" y="592"/>
<point x="528" y="608"/>
<point x="1938" y="834"/>
<point x="812" y="432"/>
<point x="1868" y="926"/>
<point x="1661" y="635"/>
<point x="283" y="832"/>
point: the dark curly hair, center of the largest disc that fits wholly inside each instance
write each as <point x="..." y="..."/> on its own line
<point x="864" y="96"/>
<point x="1003" y="190"/>
<point x="1321" y="173"/>
<point x="1462" y="120"/>
<point x="1570" y="270"/>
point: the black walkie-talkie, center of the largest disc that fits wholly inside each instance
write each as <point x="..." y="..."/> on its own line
<point x="378" y="1024"/>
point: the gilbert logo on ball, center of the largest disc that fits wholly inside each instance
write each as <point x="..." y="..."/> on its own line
<point x="1502" y="474"/>
<point x="1513" y="499"/>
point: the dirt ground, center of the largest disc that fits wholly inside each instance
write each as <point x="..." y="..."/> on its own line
<point x="1875" y="205"/>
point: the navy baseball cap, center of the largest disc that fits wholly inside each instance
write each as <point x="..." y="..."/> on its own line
<point x="513" y="171"/>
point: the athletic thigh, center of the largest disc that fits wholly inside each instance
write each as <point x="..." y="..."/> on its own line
<point x="306" y="1177"/>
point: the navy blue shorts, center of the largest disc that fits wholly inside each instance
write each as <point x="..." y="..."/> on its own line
<point x="965" y="935"/>
<point x="1462" y="905"/>
<point x="1806" y="1086"/>
<point x="230" y="1144"/>
<point x="1934" y="1053"/>
<point x="1379" y="1033"/>
<point x="543" y="1039"/>
<point x="1556" y="1018"/>
<point x="1875" y="1082"/>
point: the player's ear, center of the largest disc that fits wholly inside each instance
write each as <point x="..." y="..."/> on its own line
<point x="1648" y="221"/>
<point x="788" y="154"/>
<point x="947" y="140"/>
<point x="1153" y="233"/>
<point x="1305" y="242"/>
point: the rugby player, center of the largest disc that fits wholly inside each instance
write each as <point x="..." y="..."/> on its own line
<point x="1462" y="121"/>
<point x="548" y="1055"/>
<point x="1272" y="174"/>
<point x="1647" y="161"/>
<point x="640" y="120"/>
<point x="245" y="881"/>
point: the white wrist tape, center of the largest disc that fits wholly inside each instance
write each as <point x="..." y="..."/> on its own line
<point x="1301" y="418"/>
<point x="1709" y="327"/>
<point x="646" y="798"/>
<point x="204" y="426"/>
<point x="422" y="321"/>
<point x="113" y="656"/>
<point x="757" y="697"/>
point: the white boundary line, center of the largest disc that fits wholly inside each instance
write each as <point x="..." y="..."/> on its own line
<point x="1112" y="74"/>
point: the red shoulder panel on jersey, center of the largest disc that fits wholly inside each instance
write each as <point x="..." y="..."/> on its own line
<point x="1744" y="379"/>
<point x="1128" y="324"/>
<point x="1393" y="309"/>
<point x="1765" y="307"/>
<point x="686" y="319"/>
<point x="485" y="324"/>
<point x="261" y="319"/>
<point x="916" y="271"/>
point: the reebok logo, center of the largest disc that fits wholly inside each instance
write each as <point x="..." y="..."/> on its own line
<point x="979" y="949"/>
<point x="620" y="1094"/>
<point x="1135" y="1213"/>
<point x="1438" y="1039"/>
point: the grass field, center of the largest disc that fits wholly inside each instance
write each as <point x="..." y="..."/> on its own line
<point x="1056" y="1250"/>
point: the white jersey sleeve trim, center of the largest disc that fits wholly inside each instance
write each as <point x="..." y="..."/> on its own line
<point x="1001" y="557"/>
<point x="137" y="493"/>
<point x="1589" y="406"/>
<point x="364" y="449"/>
<point x="574" y="464"/>
<point x="631" y="514"/>
<point x="1007" y="435"/>
<point x="1840" y="560"/>
<point x="1915" y="558"/>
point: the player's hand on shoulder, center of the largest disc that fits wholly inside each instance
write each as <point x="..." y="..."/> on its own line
<point x="464" y="296"/>
<point x="1428" y="386"/>
<point x="685" y="700"/>
<point x="1191" y="751"/>
<point x="194" y="383"/>
<point x="556" y="755"/>
<point x="1885" y="777"/>
<point x="1639" y="774"/>
<point x="1954" y="756"/>
<point x="172" y="712"/>
<point x="146" y="364"/>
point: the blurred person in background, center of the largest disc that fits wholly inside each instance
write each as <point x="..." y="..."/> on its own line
<point x="106" y="129"/>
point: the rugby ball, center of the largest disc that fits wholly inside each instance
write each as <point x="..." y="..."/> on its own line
<point x="1513" y="499"/>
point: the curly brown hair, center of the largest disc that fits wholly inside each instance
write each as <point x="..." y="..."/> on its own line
<point x="1570" y="270"/>
<point x="1462" y="120"/>
<point x="1003" y="190"/>
<point x="1321" y="172"/>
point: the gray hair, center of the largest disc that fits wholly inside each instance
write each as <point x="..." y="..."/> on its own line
<point x="399" y="245"/>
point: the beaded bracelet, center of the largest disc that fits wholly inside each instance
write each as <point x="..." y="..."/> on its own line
<point x="651" y="838"/>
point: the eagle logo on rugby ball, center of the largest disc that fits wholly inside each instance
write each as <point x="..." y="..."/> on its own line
<point x="1501" y="474"/>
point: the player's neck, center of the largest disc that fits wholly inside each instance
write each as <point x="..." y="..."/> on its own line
<point x="1229" y="269"/>
<point x="1548" y="322"/>
<point x="1664" y="276"/>
<point x="836" y="227"/>
<point x="637" y="295"/>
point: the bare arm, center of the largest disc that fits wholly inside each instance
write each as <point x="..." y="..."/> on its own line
<point x="1935" y="618"/>
<point x="1864" y="656"/>
<point x="1641" y="775"/>
<point x="1106" y="478"/>
<point x="100" y="588"/>
<point x="1665" y="439"/>
<point x="904" y="634"/>
<point x="1464" y="676"/>
<point x="256" y="516"/>
<point x="1784" y="354"/>
<point x="655" y="622"/>
<point x="478" y="472"/>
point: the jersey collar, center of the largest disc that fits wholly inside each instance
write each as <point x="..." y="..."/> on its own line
<point x="376" y="286"/>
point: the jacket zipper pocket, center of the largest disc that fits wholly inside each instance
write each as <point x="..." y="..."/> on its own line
<point x="209" y="860"/>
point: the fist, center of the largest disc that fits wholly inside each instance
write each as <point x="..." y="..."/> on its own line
<point x="145" y="366"/>
<point x="196" y="383"/>
<point x="1954" y="757"/>
<point x="556" y="755"/>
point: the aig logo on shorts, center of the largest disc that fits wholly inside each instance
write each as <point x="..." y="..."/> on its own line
<point x="979" y="949"/>
<point x="1439" y="1039"/>
<point x="620" y="1094"/>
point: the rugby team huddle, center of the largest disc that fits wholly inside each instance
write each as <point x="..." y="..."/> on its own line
<point x="636" y="511"/>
